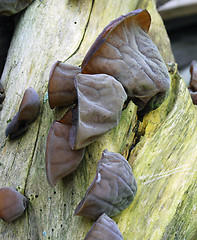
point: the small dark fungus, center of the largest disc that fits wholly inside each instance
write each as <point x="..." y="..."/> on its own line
<point x="112" y="190"/>
<point x="60" y="159"/>
<point x="125" y="51"/>
<point x="2" y="93"/>
<point x="104" y="229"/>
<point x="100" y="102"/>
<point x="61" y="88"/>
<point x="28" y="111"/>
<point x="12" y="7"/>
<point x="12" y="204"/>
<point x="193" y="82"/>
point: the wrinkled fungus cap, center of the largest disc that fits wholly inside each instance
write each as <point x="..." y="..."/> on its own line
<point x="125" y="51"/>
<point x="61" y="88"/>
<point x="28" y="111"/>
<point x="12" y="204"/>
<point x="112" y="190"/>
<point x="104" y="229"/>
<point x="60" y="159"/>
<point x="100" y="102"/>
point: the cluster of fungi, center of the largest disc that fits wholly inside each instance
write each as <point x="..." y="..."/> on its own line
<point x="123" y="63"/>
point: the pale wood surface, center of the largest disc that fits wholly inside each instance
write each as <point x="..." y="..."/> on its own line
<point x="163" y="160"/>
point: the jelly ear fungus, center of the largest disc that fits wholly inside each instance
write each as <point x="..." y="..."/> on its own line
<point x="125" y="51"/>
<point x="28" y="111"/>
<point x="61" y="88"/>
<point x="104" y="229"/>
<point x="60" y="159"/>
<point x="112" y="190"/>
<point x="100" y="102"/>
<point x="12" y="204"/>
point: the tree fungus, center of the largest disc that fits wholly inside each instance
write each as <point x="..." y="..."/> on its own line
<point x="60" y="159"/>
<point x="61" y="88"/>
<point x="28" y="111"/>
<point x="112" y="190"/>
<point x="104" y="229"/>
<point x="100" y="102"/>
<point x="12" y="204"/>
<point x="125" y="51"/>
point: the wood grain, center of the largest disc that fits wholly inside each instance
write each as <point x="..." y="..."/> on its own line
<point x="164" y="153"/>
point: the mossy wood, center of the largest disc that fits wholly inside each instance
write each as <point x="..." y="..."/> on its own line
<point x="161" y="147"/>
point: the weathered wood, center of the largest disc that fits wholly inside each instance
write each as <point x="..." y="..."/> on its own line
<point x="163" y="160"/>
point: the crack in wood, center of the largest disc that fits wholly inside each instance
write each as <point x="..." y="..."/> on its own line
<point x="34" y="148"/>
<point x="135" y="138"/>
<point x="84" y="33"/>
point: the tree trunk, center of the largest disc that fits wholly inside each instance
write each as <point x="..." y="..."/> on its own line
<point x="161" y="147"/>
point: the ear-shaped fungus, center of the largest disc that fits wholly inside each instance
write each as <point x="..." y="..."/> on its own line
<point x="28" y="111"/>
<point x="112" y="190"/>
<point x="12" y="204"/>
<point x="100" y="102"/>
<point x="104" y="229"/>
<point x="61" y="88"/>
<point x="125" y="51"/>
<point x="60" y="159"/>
<point x="193" y="82"/>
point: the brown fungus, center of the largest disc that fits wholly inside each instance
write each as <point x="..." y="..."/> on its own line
<point x="12" y="204"/>
<point x="61" y="88"/>
<point x="193" y="81"/>
<point x="28" y="111"/>
<point x="125" y="51"/>
<point x="100" y="102"/>
<point x="104" y="229"/>
<point x="60" y="159"/>
<point x="112" y="190"/>
<point x="2" y="93"/>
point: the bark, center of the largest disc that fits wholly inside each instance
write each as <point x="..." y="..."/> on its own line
<point x="161" y="147"/>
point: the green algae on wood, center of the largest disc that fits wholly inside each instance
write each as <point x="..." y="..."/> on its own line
<point x="164" y="164"/>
